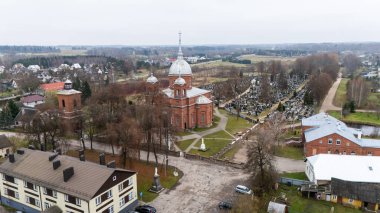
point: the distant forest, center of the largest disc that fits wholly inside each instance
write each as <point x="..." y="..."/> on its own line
<point x="28" y="49"/>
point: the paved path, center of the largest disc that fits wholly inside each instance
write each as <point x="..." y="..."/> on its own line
<point x="198" y="135"/>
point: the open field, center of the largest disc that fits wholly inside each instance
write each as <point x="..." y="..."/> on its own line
<point x="289" y="152"/>
<point x="184" y="144"/>
<point x="365" y="118"/>
<point x="341" y="93"/>
<point x="295" y="175"/>
<point x="235" y="124"/>
<point x="213" y="146"/>
<point x="258" y="58"/>
<point x="218" y="63"/>
<point x="144" y="171"/>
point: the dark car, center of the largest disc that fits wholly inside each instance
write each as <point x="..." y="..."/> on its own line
<point x="225" y="205"/>
<point x="145" y="209"/>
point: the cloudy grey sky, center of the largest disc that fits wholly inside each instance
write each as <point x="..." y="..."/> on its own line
<point x="157" y="22"/>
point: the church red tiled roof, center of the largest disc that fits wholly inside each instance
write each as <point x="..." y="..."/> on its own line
<point x="52" y="86"/>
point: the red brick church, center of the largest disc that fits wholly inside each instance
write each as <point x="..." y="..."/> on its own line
<point x="191" y="106"/>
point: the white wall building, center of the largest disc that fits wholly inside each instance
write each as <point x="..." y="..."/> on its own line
<point x="33" y="181"/>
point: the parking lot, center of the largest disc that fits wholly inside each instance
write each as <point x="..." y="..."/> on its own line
<point x="201" y="188"/>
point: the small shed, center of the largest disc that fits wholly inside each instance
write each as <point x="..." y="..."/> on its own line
<point x="5" y="146"/>
<point x="274" y="207"/>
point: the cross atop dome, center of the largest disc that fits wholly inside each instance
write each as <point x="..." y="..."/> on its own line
<point x="180" y="54"/>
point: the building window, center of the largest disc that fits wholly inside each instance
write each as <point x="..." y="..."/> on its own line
<point x="63" y="103"/>
<point x="353" y="153"/>
<point x="66" y="198"/>
<point x="320" y="142"/>
<point x="122" y="202"/>
<point x="350" y="200"/>
<point x="50" y="192"/>
<point x="98" y="200"/>
<point x="121" y="187"/>
<point x="369" y="154"/>
<point x="109" y="194"/>
<point x="113" y="178"/>
<point x="330" y="141"/>
<point x="130" y="181"/>
<point x="130" y="196"/>
<point x="110" y="209"/>
<point x="344" y="153"/>
<point x="334" y="197"/>
<point x="10" y="179"/>
<point x="337" y="142"/>
<point x="77" y="201"/>
<point x="348" y="144"/>
<point x="47" y="205"/>
<point x="203" y="117"/>
<point x="329" y="152"/>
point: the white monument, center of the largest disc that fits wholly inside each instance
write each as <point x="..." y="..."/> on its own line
<point x="203" y="146"/>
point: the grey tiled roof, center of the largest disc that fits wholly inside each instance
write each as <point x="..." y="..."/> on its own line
<point x="35" y="167"/>
<point x="324" y="125"/>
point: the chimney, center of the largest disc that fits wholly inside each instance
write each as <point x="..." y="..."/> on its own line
<point x="82" y="158"/>
<point x="31" y="147"/>
<point x="42" y="147"/>
<point x="12" y="158"/>
<point x="68" y="173"/>
<point x="102" y="159"/>
<point x="20" y="152"/>
<point x="53" y="156"/>
<point x="56" y="164"/>
<point x="111" y="164"/>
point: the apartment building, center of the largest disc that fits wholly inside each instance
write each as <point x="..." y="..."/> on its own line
<point x="34" y="181"/>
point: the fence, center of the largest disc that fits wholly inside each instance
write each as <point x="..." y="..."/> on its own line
<point x="291" y="181"/>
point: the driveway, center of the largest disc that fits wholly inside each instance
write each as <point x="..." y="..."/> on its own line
<point x="328" y="101"/>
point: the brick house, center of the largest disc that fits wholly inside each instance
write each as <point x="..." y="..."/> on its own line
<point x="191" y="106"/>
<point x="324" y="134"/>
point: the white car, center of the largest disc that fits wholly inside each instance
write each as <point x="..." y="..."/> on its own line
<point x="243" y="189"/>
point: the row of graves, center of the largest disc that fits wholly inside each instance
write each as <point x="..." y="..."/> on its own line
<point x="250" y="102"/>
<point x="295" y="109"/>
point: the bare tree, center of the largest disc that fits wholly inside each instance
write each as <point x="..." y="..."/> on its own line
<point x="261" y="161"/>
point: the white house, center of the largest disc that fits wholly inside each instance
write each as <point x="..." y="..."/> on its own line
<point x="356" y="168"/>
<point x="34" y="181"/>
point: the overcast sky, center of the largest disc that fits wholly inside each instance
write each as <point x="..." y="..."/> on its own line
<point x="157" y="22"/>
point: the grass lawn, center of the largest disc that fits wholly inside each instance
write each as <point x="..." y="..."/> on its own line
<point x="213" y="146"/>
<point x="295" y="175"/>
<point x="235" y="124"/>
<point x="231" y="153"/>
<point x="182" y="133"/>
<point x="368" y="118"/>
<point x="144" y="171"/>
<point x="220" y="134"/>
<point x="341" y="93"/>
<point x="290" y="152"/>
<point x="299" y="204"/>
<point x="214" y="124"/>
<point x="184" y="144"/>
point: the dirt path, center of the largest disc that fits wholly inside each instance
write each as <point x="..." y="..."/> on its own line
<point x="328" y="101"/>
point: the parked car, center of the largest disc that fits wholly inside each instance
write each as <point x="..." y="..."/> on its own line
<point x="225" y="205"/>
<point x="145" y="209"/>
<point x="243" y="189"/>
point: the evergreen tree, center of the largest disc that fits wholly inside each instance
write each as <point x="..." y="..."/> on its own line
<point x="86" y="91"/>
<point x="13" y="108"/>
<point x="76" y="84"/>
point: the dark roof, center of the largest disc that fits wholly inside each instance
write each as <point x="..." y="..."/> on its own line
<point x="26" y="114"/>
<point x="32" y="98"/>
<point x="34" y="166"/>
<point x="5" y="142"/>
<point x="367" y="192"/>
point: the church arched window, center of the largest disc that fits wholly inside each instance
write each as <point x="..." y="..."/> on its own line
<point x="63" y="103"/>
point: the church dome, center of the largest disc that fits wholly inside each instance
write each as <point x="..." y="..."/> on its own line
<point x="180" y="81"/>
<point x="180" y="66"/>
<point x="152" y="79"/>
